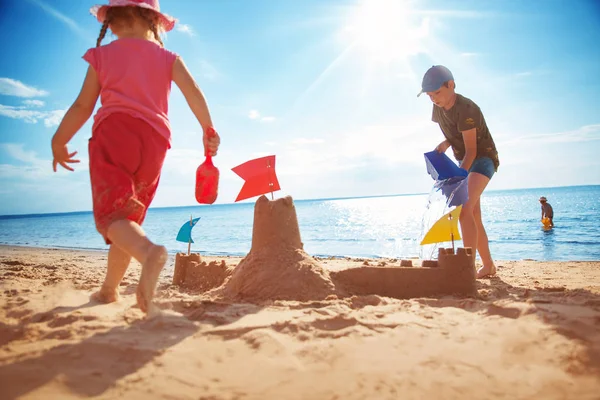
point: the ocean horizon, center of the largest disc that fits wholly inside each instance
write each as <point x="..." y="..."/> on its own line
<point x="366" y="226"/>
<point x="48" y="214"/>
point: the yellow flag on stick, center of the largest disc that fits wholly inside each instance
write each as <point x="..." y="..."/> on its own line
<point x="445" y="229"/>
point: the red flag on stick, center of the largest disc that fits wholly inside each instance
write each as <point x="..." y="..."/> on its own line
<point x="259" y="176"/>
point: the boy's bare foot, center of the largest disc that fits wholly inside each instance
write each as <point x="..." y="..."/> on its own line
<point x="106" y="295"/>
<point x="486" y="271"/>
<point x="157" y="257"/>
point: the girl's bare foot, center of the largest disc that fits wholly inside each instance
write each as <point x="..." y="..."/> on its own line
<point x="486" y="271"/>
<point x="106" y="295"/>
<point x="157" y="257"/>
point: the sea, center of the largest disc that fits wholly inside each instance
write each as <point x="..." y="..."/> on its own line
<point x="373" y="227"/>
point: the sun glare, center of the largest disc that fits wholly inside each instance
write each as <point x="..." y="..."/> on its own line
<point x="385" y="30"/>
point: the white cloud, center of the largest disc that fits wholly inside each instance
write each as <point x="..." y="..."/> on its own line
<point x="27" y="172"/>
<point x="34" y="103"/>
<point x="53" y="118"/>
<point x="187" y="29"/>
<point x="12" y="87"/>
<point x="467" y="54"/>
<point x="307" y="141"/>
<point x="457" y="13"/>
<point x="255" y="115"/>
<point x="32" y="167"/>
<point x="29" y="116"/>
<point x="387" y="146"/>
<point x="209" y="71"/>
<point x="50" y="118"/>
<point x="182" y="161"/>
<point x="586" y="133"/>
<point x="17" y="152"/>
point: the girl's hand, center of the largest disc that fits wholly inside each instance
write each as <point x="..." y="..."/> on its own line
<point x="63" y="157"/>
<point x="211" y="141"/>
<point x="442" y="147"/>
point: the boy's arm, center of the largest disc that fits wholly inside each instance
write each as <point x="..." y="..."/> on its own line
<point x="76" y="116"/>
<point x="470" y="140"/>
<point x="443" y="146"/>
<point x="195" y="99"/>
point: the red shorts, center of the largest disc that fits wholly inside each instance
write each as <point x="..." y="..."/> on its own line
<point x="126" y="158"/>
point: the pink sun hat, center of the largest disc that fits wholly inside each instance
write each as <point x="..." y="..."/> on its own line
<point x="166" y="21"/>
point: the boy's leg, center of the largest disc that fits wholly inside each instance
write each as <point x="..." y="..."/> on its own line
<point x="118" y="261"/>
<point x="130" y="237"/>
<point x="468" y="225"/>
<point x="483" y="246"/>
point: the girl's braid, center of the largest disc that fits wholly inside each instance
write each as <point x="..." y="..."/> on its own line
<point x="102" y="31"/>
<point x="156" y="35"/>
<point x="150" y="17"/>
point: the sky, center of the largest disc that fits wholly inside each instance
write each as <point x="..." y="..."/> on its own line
<point x="329" y="87"/>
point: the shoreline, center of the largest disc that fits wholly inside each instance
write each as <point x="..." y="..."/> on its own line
<point x="94" y="250"/>
<point x="530" y="332"/>
<point x="172" y="253"/>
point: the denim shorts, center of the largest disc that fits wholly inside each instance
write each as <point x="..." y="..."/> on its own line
<point x="484" y="166"/>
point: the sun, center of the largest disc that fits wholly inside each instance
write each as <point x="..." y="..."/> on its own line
<point x="386" y="30"/>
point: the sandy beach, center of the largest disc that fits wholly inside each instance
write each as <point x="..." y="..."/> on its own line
<point x="531" y="332"/>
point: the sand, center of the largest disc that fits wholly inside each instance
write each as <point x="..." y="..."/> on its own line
<point x="531" y="332"/>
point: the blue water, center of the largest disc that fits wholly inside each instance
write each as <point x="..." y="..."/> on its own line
<point x="389" y="226"/>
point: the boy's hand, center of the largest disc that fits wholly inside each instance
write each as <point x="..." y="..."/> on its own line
<point x="211" y="141"/>
<point x="63" y="157"/>
<point x="442" y="147"/>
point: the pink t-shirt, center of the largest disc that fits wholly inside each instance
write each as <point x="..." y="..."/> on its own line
<point x="135" y="78"/>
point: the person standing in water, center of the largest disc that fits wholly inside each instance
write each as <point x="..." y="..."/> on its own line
<point x="547" y="211"/>
<point x="466" y="131"/>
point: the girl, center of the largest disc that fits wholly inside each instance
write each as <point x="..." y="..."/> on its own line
<point x="130" y="135"/>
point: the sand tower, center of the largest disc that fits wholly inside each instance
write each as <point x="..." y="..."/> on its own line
<point x="277" y="267"/>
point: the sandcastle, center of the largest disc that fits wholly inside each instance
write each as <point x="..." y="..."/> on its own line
<point x="451" y="274"/>
<point x="183" y="262"/>
<point x="278" y="268"/>
<point x="192" y="273"/>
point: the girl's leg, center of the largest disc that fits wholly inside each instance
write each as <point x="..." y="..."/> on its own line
<point x="483" y="246"/>
<point x="118" y="261"/>
<point x="126" y="158"/>
<point x="130" y="237"/>
<point x="468" y="225"/>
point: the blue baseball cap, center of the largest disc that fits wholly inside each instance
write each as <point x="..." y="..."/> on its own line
<point x="434" y="78"/>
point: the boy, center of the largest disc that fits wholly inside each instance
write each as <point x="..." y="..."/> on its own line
<point x="466" y="131"/>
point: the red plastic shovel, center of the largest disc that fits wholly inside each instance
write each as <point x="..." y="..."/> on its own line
<point x="207" y="178"/>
